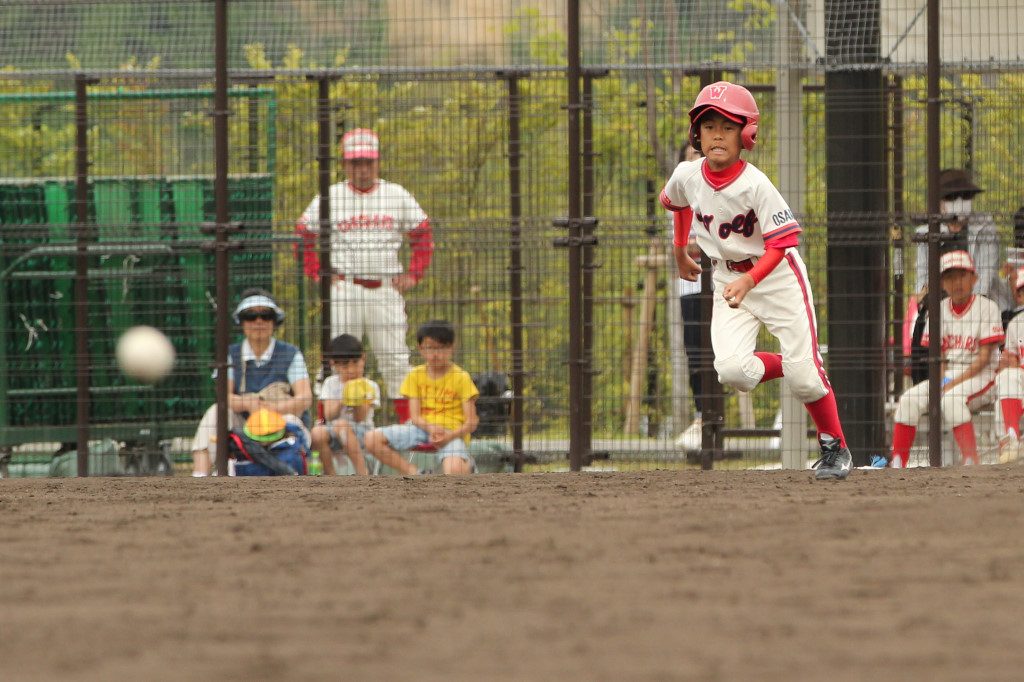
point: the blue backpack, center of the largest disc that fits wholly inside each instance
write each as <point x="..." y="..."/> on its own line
<point x="285" y="457"/>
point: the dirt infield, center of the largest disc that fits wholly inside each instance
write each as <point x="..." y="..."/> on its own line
<point x="645" y="576"/>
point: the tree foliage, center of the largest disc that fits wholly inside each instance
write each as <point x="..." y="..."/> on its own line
<point x="446" y="141"/>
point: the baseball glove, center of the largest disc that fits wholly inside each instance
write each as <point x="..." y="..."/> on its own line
<point x="279" y="390"/>
<point x="356" y="393"/>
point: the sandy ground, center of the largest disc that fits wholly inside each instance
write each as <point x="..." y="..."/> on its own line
<point x="901" y="575"/>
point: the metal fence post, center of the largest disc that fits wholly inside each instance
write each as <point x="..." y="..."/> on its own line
<point x="515" y="267"/>
<point x="934" y="160"/>
<point x="220" y="196"/>
<point x="82" y="377"/>
<point x="578" y="418"/>
<point x="323" y="159"/>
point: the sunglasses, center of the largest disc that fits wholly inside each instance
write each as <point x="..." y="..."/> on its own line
<point x="249" y="316"/>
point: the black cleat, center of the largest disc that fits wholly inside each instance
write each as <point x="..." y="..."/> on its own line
<point x="835" y="460"/>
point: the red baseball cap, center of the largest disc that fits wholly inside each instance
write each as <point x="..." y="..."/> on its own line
<point x="735" y="118"/>
<point x="360" y="143"/>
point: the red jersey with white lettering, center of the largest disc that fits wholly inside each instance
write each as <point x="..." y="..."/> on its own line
<point x="965" y="332"/>
<point x="368" y="227"/>
<point x="733" y="221"/>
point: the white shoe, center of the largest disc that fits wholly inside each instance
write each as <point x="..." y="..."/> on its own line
<point x="1009" y="448"/>
<point x="691" y="438"/>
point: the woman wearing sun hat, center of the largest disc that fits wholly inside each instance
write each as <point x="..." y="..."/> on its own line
<point x="263" y="372"/>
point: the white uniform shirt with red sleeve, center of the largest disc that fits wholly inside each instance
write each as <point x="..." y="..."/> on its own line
<point x="1015" y="337"/>
<point x="964" y="333"/>
<point x="732" y="221"/>
<point x="369" y="228"/>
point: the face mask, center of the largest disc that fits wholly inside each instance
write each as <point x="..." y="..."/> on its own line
<point x="959" y="207"/>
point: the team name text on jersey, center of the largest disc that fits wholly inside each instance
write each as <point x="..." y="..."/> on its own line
<point x="742" y="224"/>
<point x="959" y="342"/>
<point x="367" y="222"/>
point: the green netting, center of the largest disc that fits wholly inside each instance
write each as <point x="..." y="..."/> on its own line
<point x="170" y="289"/>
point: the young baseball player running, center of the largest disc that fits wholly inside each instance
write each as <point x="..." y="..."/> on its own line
<point x="971" y="330"/>
<point x="745" y="226"/>
<point x="349" y="400"/>
<point x="1010" y="379"/>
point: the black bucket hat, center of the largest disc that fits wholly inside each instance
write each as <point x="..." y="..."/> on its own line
<point x="954" y="181"/>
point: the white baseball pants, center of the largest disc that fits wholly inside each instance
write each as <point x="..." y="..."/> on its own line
<point x="782" y="302"/>
<point x="958" y="403"/>
<point x="1010" y="383"/>
<point x="380" y="315"/>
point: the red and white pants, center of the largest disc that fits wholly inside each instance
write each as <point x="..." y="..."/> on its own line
<point x="783" y="303"/>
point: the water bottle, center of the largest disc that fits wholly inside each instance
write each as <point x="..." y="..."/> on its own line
<point x="316" y="467"/>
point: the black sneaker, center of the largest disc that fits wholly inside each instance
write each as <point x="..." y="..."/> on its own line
<point x="835" y="460"/>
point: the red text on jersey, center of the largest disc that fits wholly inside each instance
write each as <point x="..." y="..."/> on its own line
<point x="367" y="222"/>
<point x="742" y="224"/>
<point x="959" y="342"/>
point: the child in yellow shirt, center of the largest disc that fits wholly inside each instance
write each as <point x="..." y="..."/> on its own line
<point x="442" y="406"/>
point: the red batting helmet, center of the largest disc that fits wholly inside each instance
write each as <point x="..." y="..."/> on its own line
<point x="732" y="101"/>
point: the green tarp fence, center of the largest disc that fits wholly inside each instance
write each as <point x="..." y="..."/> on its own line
<point x="155" y="273"/>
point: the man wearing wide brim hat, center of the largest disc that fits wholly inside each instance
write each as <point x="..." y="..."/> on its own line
<point x="964" y="228"/>
<point x="957" y="182"/>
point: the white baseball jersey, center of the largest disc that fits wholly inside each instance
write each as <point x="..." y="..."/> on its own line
<point x="1014" y="342"/>
<point x="734" y="221"/>
<point x="1010" y="381"/>
<point x="334" y="387"/>
<point x="964" y="333"/>
<point x="368" y="227"/>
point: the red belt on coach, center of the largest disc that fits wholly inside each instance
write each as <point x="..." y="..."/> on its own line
<point x="368" y="283"/>
<point x="740" y="265"/>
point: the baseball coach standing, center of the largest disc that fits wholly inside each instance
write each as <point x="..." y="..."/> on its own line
<point x="370" y="217"/>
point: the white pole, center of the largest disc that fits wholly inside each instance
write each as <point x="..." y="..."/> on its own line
<point x="792" y="184"/>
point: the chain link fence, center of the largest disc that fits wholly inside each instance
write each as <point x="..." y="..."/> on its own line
<point x="469" y="101"/>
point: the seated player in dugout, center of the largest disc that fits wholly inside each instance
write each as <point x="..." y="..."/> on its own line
<point x="971" y="331"/>
<point x="1010" y="378"/>
<point x="751" y="235"/>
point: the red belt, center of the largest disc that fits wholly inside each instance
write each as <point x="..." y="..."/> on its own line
<point x="740" y="265"/>
<point x="368" y="283"/>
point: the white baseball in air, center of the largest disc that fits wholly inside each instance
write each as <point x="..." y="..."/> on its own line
<point x="145" y="353"/>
